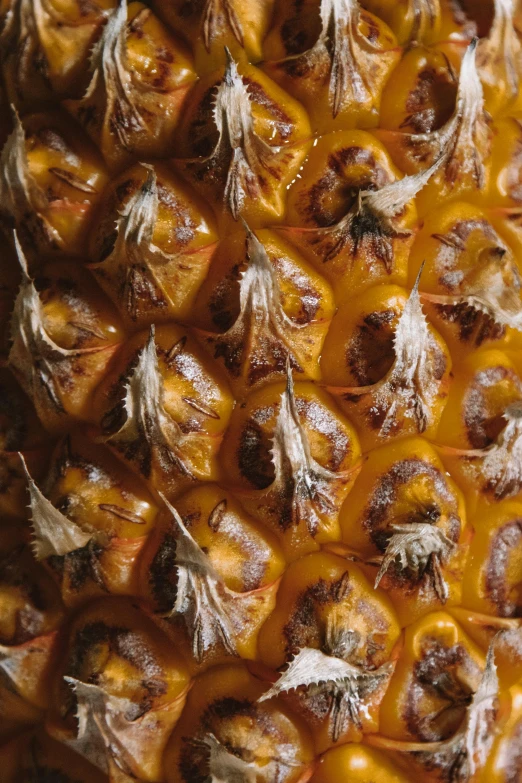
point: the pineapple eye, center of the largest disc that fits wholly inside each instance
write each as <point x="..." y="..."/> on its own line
<point x="318" y="606"/>
<point x="470" y="280"/>
<point x="212" y="573"/>
<point x="338" y="662"/>
<point x="466" y="751"/>
<point x="163" y="409"/>
<point x="152" y="245"/>
<point x="352" y="215"/>
<point x="337" y="168"/>
<point x="367" y="353"/>
<point x="47" y="47"/>
<point x="462" y="145"/>
<point x="405" y="518"/>
<point x="340" y="77"/>
<point x="211" y="25"/>
<point x="424" y="95"/>
<point x="241" y="143"/>
<point x="493" y="577"/>
<point x="51" y="180"/>
<point x="64" y="337"/>
<point x="120" y="689"/>
<point x="293" y="459"/>
<point x="410" y="397"/>
<point x="491" y="473"/>
<point x="485" y="385"/>
<point x="225" y="733"/>
<point x="92" y="522"/>
<point x="439" y="670"/>
<point x="140" y="76"/>
<point x="277" y="309"/>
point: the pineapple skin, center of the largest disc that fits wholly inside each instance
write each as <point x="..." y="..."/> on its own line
<point x="261" y="391"/>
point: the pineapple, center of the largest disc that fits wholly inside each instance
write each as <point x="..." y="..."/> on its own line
<point x="261" y="391"/>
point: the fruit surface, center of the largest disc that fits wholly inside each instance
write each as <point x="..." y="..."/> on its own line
<point x="260" y="391"/>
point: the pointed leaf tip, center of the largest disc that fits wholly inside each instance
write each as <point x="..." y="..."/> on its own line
<point x="54" y="533"/>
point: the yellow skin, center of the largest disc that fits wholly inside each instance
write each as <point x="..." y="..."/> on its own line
<point x="249" y="469"/>
<point x="325" y="193"/>
<point x="320" y="597"/>
<point x="195" y="391"/>
<point x="281" y="637"/>
<point x="422" y="96"/>
<point x="485" y="629"/>
<point x="64" y="33"/>
<point x="81" y="321"/>
<point x="337" y="163"/>
<point x="438" y="24"/>
<point x="359" y="764"/>
<point x="463" y="238"/>
<point x="336" y="550"/>
<point x="486" y="383"/>
<point x="492" y="377"/>
<point x="455" y="179"/>
<point x="505" y="190"/>
<point x="506" y="750"/>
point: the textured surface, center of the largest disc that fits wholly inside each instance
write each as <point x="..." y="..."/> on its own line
<point x="261" y="391"/>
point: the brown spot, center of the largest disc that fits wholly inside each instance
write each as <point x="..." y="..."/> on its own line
<point x="379" y="512"/>
<point x="201" y="407"/>
<point x="370" y="353"/>
<point x="505" y="545"/>
<point x="431" y="103"/>
<point x="162" y="574"/>
<point x="216" y="515"/>
<point x="475" y="327"/>
<point x="303" y="628"/>
<point x="122" y="513"/>
<point x="483" y="423"/>
<point x="301" y="29"/>
<point x="253" y="456"/>
<point x="442" y="674"/>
